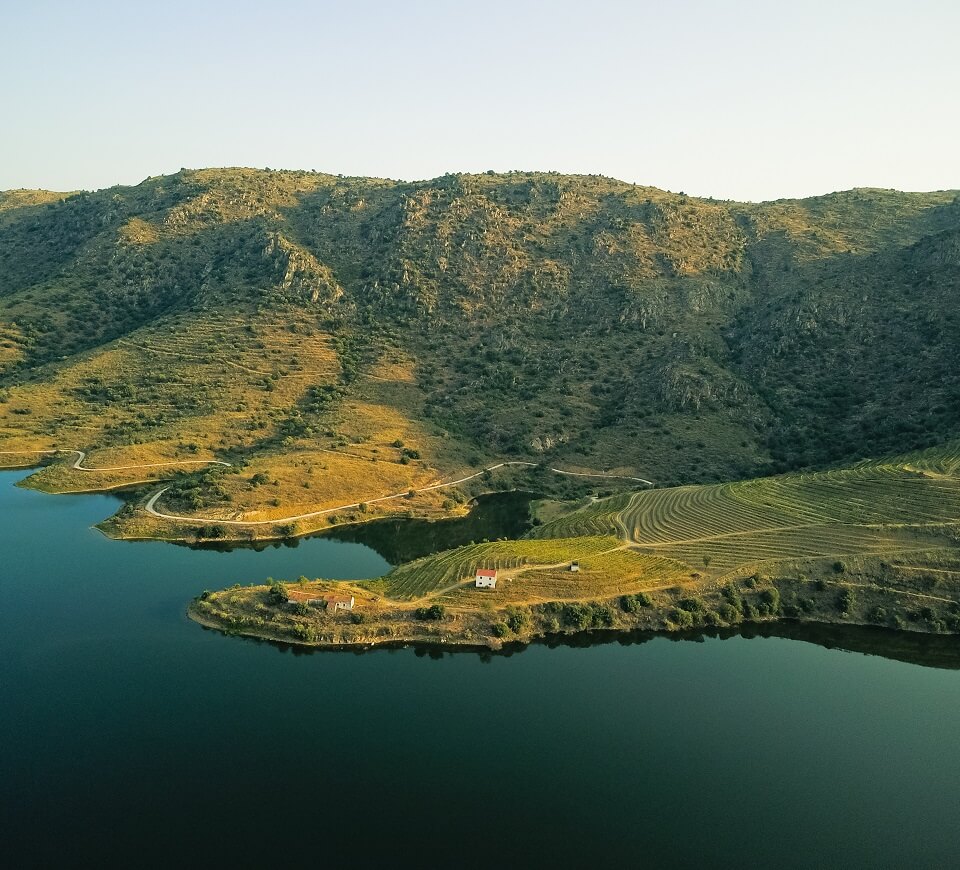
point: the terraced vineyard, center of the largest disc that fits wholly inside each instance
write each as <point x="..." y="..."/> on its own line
<point x="874" y="508"/>
<point x="597" y="518"/>
<point x="425" y="576"/>
<point x="603" y="575"/>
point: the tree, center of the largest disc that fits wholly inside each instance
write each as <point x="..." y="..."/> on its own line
<point x="277" y="592"/>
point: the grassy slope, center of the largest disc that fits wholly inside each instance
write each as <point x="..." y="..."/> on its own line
<point x="877" y="544"/>
<point x="267" y="318"/>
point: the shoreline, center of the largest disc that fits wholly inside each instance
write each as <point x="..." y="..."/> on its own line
<point x="491" y="625"/>
<point x="782" y="626"/>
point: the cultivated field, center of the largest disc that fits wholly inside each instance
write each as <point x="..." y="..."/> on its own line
<point x="874" y="508"/>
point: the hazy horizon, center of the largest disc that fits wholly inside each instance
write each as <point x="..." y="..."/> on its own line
<point x="733" y="101"/>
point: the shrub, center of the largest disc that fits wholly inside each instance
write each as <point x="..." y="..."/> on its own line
<point x="601" y="615"/>
<point x="356" y="618"/>
<point x="516" y="620"/>
<point x="729" y="613"/>
<point x="277" y="592"/>
<point x="301" y="609"/>
<point x="770" y="598"/>
<point x="845" y="601"/>
<point x="839" y="567"/>
<point x="634" y="603"/>
<point x="733" y="597"/>
<point x="499" y="629"/>
<point x="682" y="618"/>
<point x="576" y="616"/>
<point x="434" y="612"/>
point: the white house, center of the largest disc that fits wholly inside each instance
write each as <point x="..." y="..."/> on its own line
<point x="574" y="567"/>
<point x="486" y="578"/>
<point x="336" y="603"/>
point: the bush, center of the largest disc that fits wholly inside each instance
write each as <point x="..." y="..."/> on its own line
<point x="434" y="612"/>
<point x="729" y="613"/>
<point x="576" y="616"/>
<point x="602" y="616"/>
<point x="682" y="618"/>
<point x="516" y="620"/>
<point x="499" y="629"/>
<point x="301" y="609"/>
<point x="733" y="597"/>
<point x="356" y="618"/>
<point x="277" y="592"/>
<point x="634" y="603"/>
<point x="845" y="601"/>
<point x="770" y="600"/>
<point x="839" y="567"/>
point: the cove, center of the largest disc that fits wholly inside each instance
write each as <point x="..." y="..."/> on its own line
<point x="131" y="737"/>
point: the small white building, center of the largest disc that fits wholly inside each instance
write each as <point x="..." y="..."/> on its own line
<point x="486" y="578"/>
<point x="574" y="567"/>
<point x="336" y="603"/>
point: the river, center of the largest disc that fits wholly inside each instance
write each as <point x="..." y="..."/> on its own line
<point x="132" y="737"/>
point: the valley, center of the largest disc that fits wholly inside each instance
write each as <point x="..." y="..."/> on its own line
<point x="703" y="394"/>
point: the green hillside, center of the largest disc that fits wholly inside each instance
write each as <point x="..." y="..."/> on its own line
<point x="341" y="339"/>
<point x="875" y="544"/>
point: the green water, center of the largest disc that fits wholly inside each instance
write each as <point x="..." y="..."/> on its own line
<point x="131" y="737"/>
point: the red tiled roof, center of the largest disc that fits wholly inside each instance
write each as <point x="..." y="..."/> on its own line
<point x="486" y="572"/>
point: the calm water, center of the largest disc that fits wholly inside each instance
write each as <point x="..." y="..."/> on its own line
<point x="131" y="737"/>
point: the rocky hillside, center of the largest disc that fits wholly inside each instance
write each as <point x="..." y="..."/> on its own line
<point x="532" y="314"/>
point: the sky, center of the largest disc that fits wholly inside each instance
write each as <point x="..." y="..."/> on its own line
<point x="737" y="100"/>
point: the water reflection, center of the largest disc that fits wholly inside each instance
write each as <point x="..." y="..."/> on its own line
<point x="926" y="650"/>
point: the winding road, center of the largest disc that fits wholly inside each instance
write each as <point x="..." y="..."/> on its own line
<point x="81" y="455"/>
<point x="151" y="506"/>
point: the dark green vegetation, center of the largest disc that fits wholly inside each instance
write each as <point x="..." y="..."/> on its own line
<point x="590" y="321"/>
<point x="500" y="514"/>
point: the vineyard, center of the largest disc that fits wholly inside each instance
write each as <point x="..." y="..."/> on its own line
<point x="444" y="570"/>
<point x="874" y="508"/>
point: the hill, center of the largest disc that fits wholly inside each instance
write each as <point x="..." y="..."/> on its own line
<point x="875" y="544"/>
<point x="336" y="340"/>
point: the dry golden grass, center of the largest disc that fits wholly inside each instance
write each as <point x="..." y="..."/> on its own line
<point x="225" y="387"/>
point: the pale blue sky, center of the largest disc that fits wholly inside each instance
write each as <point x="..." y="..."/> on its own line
<point x="741" y="99"/>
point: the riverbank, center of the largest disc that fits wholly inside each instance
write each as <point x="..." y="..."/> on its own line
<point x="284" y="613"/>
